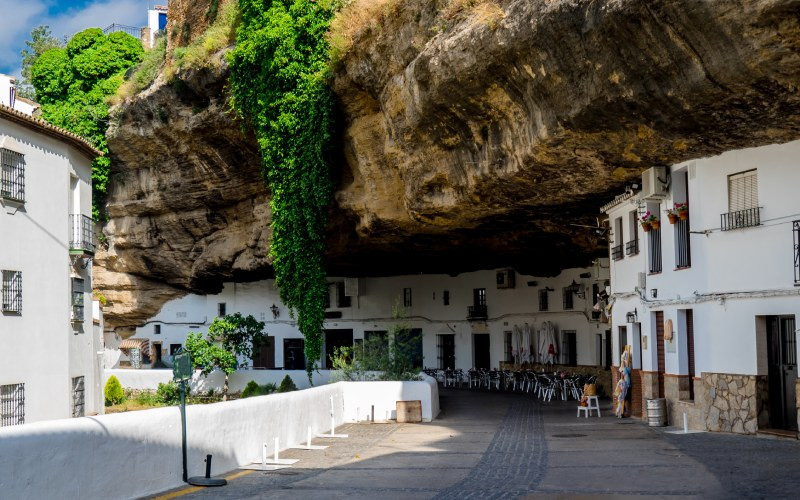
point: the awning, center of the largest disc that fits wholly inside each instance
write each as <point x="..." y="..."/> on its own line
<point x="142" y="344"/>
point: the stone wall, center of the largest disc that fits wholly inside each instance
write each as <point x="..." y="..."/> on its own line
<point x="733" y="403"/>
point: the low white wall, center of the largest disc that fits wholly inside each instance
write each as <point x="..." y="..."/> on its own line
<point x="149" y="379"/>
<point x="361" y="396"/>
<point x="134" y="454"/>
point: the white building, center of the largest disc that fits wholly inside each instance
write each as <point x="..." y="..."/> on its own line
<point x="465" y="321"/>
<point x="709" y="304"/>
<point x="9" y="97"/>
<point x="156" y="22"/>
<point x="48" y="358"/>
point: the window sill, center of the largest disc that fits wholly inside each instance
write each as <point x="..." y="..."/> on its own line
<point x="652" y="273"/>
<point x="682" y="268"/>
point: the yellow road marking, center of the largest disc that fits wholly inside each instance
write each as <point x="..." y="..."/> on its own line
<point x="193" y="489"/>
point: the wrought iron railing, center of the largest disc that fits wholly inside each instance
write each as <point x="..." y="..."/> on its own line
<point x="632" y="247"/>
<point x="796" y="231"/>
<point x="477" y="312"/>
<point x="616" y="252"/>
<point x="683" y="256"/>
<point x="654" y="250"/>
<point x="12" y="405"/>
<point x="12" y="291"/>
<point x="12" y="175"/>
<point x="740" y="219"/>
<point x="131" y="30"/>
<point x="81" y="233"/>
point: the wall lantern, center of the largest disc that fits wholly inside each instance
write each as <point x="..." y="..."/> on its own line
<point x="275" y="311"/>
<point x="632" y="316"/>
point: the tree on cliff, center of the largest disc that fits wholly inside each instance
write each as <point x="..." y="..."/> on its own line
<point x="41" y="41"/>
<point x="229" y="337"/>
<point x="72" y="84"/>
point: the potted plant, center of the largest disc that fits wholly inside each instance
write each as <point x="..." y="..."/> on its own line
<point x="683" y="210"/>
<point x="672" y="215"/>
<point x="649" y="221"/>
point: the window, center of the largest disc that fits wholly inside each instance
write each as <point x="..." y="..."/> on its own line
<point x="12" y="292"/>
<point x="407" y="297"/>
<point x="796" y="231"/>
<point x="157" y="329"/>
<point x="12" y="176"/>
<point x="78" y="400"/>
<point x="479" y="297"/>
<point x="222" y="309"/>
<point x="632" y="247"/>
<point x="623" y="340"/>
<point x="446" y="297"/>
<point x="12" y="404"/>
<point x="77" y="299"/>
<point x="617" y="249"/>
<point x="654" y="250"/>
<point x="342" y="300"/>
<point x="569" y="298"/>
<point x="543" y="305"/>
<point x="508" y="349"/>
<point x="175" y="349"/>
<point x="743" y="210"/>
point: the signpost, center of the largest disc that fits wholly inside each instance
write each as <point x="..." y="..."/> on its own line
<point x="182" y="373"/>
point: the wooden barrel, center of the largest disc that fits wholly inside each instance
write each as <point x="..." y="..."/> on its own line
<point x="657" y="412"/>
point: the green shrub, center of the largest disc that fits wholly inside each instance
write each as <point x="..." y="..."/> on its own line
<point x="168" y="393"/>
<point x="253" y="389"/>
<point x="147" y="398"/>
<point x="113" y="391"/>
<point x="287" y="385"/>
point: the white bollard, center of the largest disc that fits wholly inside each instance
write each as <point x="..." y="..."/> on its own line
<point x="685" y="423"/>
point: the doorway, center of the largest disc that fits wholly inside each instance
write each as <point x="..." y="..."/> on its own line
<point x="782" y="359"/>
<point x="660" y="351"/>
<point x="480" y="351"/>
<point x="264" y="354"/>
<point x="446" y="356"/>
<point x="335" y="339"/>
<point x="157" y="351"/>
<point x="294" y="357"/>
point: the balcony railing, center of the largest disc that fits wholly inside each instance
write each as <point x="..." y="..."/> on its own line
<point x="616" y="252"/>
<point x="740" y="219"/>
<point x="683" y="256"/>
<point x="632" y="247"/>
<point x="477" y="312"/>
<point x="654" y="249"/>
<point x="796" y="231"/>
<point x="81" y="238"/>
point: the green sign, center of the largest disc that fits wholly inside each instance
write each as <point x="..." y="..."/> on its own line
<point x="182" y="367"/>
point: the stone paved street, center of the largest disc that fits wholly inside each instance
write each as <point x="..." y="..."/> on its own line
<point x="510" y="446"/>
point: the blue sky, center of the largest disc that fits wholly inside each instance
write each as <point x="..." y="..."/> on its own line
<point x="64" y="18"/>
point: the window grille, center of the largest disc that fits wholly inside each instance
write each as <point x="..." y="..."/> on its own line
<point x="683" y="256"/>
<point x="82" y="233"/>
<point x="12" y="177"/>
<point x="78" y="398"/>
<point x="654" y="249"/>
<point x="77" y="299"/>
<point x="12" y="291"/>
<point x="12" y="404"/>
<point x="543" y="305"/>
<point x="569" y="298"/>
<point x="796" y="230"/>
<point x="508" y="347"/>
<point x="406" y="297"/>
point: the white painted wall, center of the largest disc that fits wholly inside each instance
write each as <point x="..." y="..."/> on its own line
<point x="735" y="276"/>
<point x="42" y="348"/>
<point x="372" y="310"/>
<point x="22" y="105"/>
<point x="136" y="454"/>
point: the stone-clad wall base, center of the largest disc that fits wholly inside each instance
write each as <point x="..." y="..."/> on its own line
<point x="732" y="402"/>
<point x="649" y="389"/>
<point x="676" y="388"/>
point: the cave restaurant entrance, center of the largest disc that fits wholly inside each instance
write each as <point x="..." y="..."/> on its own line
<point x="782" y="375"/>
<point x="333" y="340"/>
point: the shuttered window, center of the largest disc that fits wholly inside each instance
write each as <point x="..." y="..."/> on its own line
<point x="742" y="191"/>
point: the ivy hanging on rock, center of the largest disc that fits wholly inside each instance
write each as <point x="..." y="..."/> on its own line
<point x="279" y="73"/>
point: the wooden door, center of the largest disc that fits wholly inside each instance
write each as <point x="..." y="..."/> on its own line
<point x="264" y="354"/>
<point x="481" y="351"/>
<point x="782" y="358"/>
<point x="660" y="351"/>
<point x="690" y="349"/>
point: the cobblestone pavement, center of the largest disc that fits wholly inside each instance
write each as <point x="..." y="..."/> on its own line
<point x="488" y="445"/>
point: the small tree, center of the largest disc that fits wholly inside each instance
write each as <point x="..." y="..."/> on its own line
<point x="228" y="337"/>
<point x="113" y="391"/>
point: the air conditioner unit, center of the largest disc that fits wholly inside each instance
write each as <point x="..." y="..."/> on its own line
<point x="505" y="279"/>
<point x="654" y="183"/>
<point x="354" y="287"/>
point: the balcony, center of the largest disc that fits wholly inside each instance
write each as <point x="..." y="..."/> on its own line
<point x="477" y="312"/>
<point x="81" y="239"/>
<point x="616" y="252"/>
<point x="740" y="219"/>
<point x="632" y="247"/>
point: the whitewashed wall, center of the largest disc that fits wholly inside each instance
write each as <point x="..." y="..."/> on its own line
<point x="136" y="454"/>
<point x="373" y="311"/>
<point x="43" y="349"/>
<point x="736" y="276"/>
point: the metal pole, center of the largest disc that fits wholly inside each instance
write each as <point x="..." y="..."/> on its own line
<point x="183" y="429"/>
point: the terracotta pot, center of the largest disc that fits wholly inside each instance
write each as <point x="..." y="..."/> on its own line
<point x="646" y="227"/>
<point x="684" y="215"/>
<point x="673" y="218"/>
<point x="656" y="224"/>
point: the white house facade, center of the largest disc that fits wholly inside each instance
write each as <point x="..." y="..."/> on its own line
<point x="48" y="349"/>
<point x="465" y="321"/>
<point x="709" y="303"/>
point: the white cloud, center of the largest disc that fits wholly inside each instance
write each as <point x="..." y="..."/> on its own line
<point x="31" y="13"/>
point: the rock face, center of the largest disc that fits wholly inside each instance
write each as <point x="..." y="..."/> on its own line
<point x="467" y="141"/>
